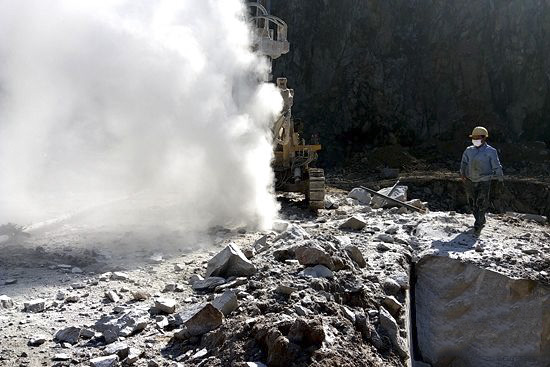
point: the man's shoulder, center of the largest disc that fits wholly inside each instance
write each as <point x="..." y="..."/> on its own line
<point x="470" y="148"/>
<point x="491" y="149"/>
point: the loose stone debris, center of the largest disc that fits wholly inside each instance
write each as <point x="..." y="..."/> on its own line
<point x="331" y="290"/>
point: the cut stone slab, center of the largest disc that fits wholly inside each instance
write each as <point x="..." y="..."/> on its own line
<point x="166" y="305"/>
<point x="5" y="302"/>
<point x="361" y="195"/>
<point x="69" y="335"/>
<point x="34" y="306"/>
<point x="313" y="255"/>
<point x="107" y="361"/>
<point x="354" y="223"/>
<point x="208" y="283"/>
<point x="200" y="319"/>
<point x="226" y="303"/>
<point x="230" y="262"/>
<point x="356" y="255"/>
<point x="484" y="312"/>
<point x="318" y="271"/>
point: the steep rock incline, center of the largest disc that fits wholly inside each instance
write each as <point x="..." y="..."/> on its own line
<point x="405" y="71"/>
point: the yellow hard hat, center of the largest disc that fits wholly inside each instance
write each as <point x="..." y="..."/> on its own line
<point x="480" y="130"/>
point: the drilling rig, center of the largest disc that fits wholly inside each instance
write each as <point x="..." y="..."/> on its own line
<point x="293" y="158"/>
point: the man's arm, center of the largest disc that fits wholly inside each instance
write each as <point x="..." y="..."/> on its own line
<point x="496" y="166"/>
<point x="464" y="165"/>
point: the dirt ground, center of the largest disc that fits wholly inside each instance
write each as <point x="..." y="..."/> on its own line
<point x="70" y="265"/>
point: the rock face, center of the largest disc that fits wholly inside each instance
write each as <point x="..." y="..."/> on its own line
<point x="230" y="262"/>
<point x="467" y="316"/>
<point x="386" y="72"/>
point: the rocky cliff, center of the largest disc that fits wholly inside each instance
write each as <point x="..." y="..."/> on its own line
<point x="406" y="71"/>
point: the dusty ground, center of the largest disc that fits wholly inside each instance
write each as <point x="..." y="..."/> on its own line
<point x="70" y="266"/>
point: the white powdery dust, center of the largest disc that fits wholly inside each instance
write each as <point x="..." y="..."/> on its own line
<point x="125" y="99"/>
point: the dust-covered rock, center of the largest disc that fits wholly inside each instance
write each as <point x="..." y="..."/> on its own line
<point x="226" y="303"/>
<point x="354" y="223"/>
<point x="125" y="324"/>
<point x="200" y="319"/>
<point x="34" y="306"/>
<point x="69" y="335"/>
<point x="311" y="254"/>
<point x="5" y="302"/>
<point x="230" y="262"/>
<point x="361" y="195"/>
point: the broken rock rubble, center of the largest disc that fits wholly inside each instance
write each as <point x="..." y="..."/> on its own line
<point x="230" y="262"/>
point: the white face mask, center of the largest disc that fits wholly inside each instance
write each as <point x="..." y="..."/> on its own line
<point x="477" y="142"/>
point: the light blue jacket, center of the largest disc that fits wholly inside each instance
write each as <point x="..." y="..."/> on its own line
<point x="481" y="164"/>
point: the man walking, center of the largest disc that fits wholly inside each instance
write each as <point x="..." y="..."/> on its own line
<point x="480" y="165"/>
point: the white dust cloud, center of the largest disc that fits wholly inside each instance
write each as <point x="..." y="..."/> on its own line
<point x="149" y="103"/>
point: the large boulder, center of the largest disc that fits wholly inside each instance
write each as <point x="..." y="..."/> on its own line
<point x="230" y="262"/>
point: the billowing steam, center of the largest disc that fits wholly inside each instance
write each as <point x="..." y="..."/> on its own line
<point x="150" y="102"/>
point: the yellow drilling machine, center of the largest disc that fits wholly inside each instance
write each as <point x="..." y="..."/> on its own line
<point x="293" y="157"/>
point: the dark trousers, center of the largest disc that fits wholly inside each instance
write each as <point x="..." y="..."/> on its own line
<point x="478" y="194"/>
